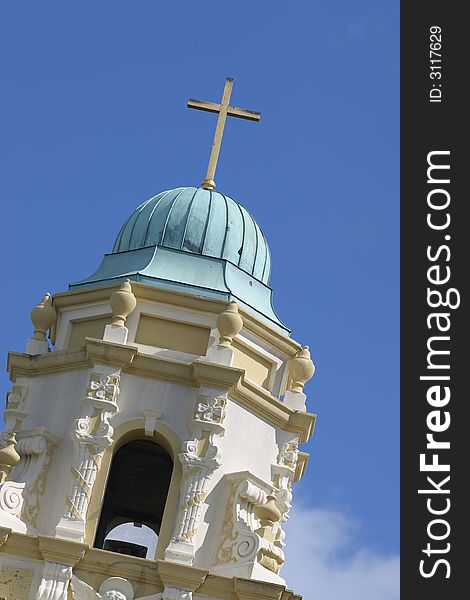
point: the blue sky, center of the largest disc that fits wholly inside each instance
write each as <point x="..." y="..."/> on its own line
<point x="93" y="122"/>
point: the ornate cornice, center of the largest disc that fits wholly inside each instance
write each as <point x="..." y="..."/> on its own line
<point x="183" y="576"/>
<point x="21" y="545"/>
<point x="119" y="565"/>
<point x="199" y="372"/>
<point x="25" y="365"/>
<point x="143" y="291"/>
<point x="94" y="560"/>
<point x="61" y="551"/>
<point x="302" y="462"/>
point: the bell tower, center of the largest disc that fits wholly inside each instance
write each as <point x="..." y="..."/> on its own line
<point x="155" y="417"/>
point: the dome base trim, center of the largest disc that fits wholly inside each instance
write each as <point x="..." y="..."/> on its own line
<point x="177" y="270"/>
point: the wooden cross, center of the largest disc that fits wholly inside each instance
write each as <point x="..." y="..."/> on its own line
<point x="223" y="109"/>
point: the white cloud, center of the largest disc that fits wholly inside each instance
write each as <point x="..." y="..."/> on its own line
<point x="324" y="562"/>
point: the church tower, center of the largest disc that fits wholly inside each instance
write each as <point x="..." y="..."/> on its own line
<point x="155" y="417"/>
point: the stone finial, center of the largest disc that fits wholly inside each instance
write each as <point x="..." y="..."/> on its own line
<point x="9" y="457"/>
<point x="229" y="323"/>
<point x="301" y="369"/>
<point x="123" y="303"/>
<point x="43" y="317"/>
<point x="268" y="514"/>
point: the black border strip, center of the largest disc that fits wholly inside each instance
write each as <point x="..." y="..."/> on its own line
<point x="434" y="132"/>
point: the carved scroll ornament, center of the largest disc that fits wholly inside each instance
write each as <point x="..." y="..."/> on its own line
<point x="20" y="495"/>
<point x="15" y="412"/>
<point x="200" y="457"/>
<point x="91" y="435"/>
<point x="249" y="532"/>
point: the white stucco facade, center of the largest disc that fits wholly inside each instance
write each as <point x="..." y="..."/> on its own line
<point x="232" y="434"/>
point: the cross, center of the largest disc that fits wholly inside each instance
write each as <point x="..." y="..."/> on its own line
<point x="223" y="109"/>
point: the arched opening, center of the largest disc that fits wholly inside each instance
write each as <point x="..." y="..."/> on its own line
<point x="134" y="500"/>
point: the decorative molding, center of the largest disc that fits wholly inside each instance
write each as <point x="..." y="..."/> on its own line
<point x="60" y="556"/>
<point x="184" y="299"/>
<point x="109" y="353"/>
<point x="56" y="550"/>
<point x="284" y="473"/>
<point x="289" y="454"/>
<point x="249" y="546"/>
<point x="210" y="409"/>
<point x="255" y="399"/>
<point x="180" y="579"/>
<point x="91" y="435"/>
<point x="200" y="457"/>
<point x="246" y="589"/>
<point x="301" y="466"/>
<point x="101" y="564"/>
<point x="20" y="495"/>
<point x="16" y="398"/>
<point x="151" y="418"/>
<point x="15" y="412"/>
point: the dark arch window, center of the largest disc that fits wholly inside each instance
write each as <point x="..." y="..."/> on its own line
<point x="135" y="498"/>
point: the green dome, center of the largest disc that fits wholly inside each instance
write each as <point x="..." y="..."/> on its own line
<point x="193" y="240"/>
<point x="201" y="222"/>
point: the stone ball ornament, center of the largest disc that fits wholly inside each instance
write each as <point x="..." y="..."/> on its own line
<point x="229" y="324"/>
<point x="43" y="316"/>
<point x="123" y="303"/>
<point x="301" y="369"/>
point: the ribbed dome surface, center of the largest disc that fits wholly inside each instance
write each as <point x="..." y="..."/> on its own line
<point x="199" y="221"/>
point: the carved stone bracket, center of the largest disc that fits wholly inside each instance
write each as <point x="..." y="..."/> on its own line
<point x="283" y="473"/>
<point x="200" y="457"/>
<point x="91" y="435"/>
<point x="15" y="412"/>
<point x="20" y="495"/>
<point x="250" y="546"/>
<point x="151" y="418"/>
<point x="55" y="581"/>
<point x="60" y="556"/>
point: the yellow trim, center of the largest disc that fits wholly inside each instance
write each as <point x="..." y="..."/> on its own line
<point x="256" y="399"/>
<point x="97" y="565"/>
<point x="178" y="575"/>
<point x="109" y="564"/>
<point x="181" y="336"/>
<point x="61" y="551"/>
<point x="258" y="368"/>
<point x="81" y="328"/>
<point x="301" y="465"/>
<point x="144" y="291"/>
